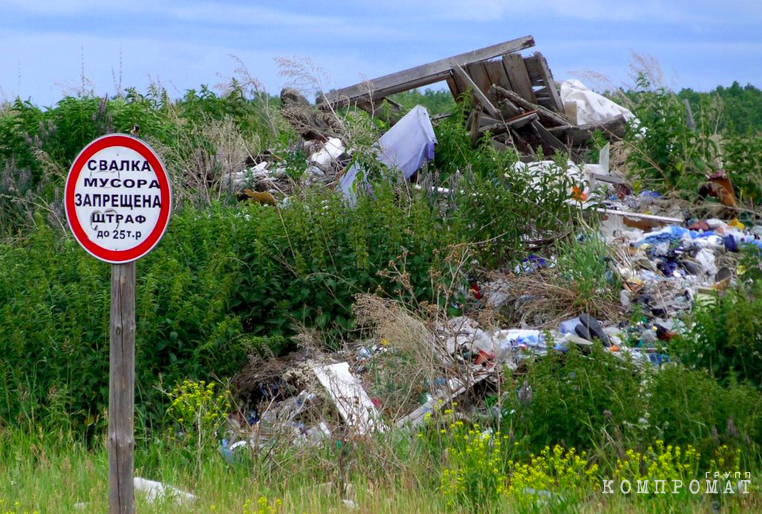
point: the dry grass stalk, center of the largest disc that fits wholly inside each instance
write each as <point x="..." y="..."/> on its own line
<point x="541" y="301"/>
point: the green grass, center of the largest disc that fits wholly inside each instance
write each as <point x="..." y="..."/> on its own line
<point x="52" y="473"/>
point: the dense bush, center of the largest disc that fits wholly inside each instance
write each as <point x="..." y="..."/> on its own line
<point x="575" y="400"/>
<point x="306" y="262"/>
<point x="690" y="407"/>
<point x="220" y="278"/>
<point x="664" y="150"/>
<point x="726" y="336"/>
<point x="601" y="402"/>
<point x="54" y="321"/>
<point x="742" y="157"/>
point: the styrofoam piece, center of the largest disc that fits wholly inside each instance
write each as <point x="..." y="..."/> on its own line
<point x="350" y="398"/>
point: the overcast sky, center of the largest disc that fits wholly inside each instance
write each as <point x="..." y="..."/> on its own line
<point x="44" y="44"/>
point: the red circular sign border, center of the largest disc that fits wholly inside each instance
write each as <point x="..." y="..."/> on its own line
<point x="97" y="251"/>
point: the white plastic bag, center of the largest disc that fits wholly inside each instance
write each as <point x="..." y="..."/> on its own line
<point x="584" y="106"/>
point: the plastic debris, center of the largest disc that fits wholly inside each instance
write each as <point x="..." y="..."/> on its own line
<point x="584" y="106"/>
<point x="350" y="398"/>
<point x="405" y="147"/>
<point x="156" y="491"/>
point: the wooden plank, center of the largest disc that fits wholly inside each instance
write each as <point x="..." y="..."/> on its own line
<point x="454" y="89"/>
<point x="612" y="129"/>
<point x="549" y="140"/>
<point x="497" y="75"/>
<point x="485" y="121"/>
<point x="478" y="74"/>
<point x="650" y="217"/>
<point x="533" y="70"/>
<point x="462" y="86"/>
<point x="509" y="109"/>
<point x="453" y="389"/>
<point x="499" y="145"/>
<point x="423" y="75"/>
<point x="479" y="96"/>
<point x="474" y="122"/>
<point x="550" y="83"/>
<point x="516" y="123"/>
<point x="547" y="117"/>
<point x="517" y="73"/>
<point x="121" y="392"/>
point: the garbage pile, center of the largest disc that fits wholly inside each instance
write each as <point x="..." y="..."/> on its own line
<point x="515" y="99"/>
<point x="515" y="103"/>
<point x="666" y="260"/>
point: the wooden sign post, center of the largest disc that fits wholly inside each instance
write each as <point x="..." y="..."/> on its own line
<point x="118" y="202"/>
<point x="121" y="390"/>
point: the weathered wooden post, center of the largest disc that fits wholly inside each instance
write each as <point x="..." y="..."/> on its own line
<point x="118" y="201"/>
<point x="121" y="390"/>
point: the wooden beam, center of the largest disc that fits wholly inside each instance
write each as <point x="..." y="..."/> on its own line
<point x="517" y="73"/>
<point x="650" y="217"/>
<point x="612" y="129"/>
<point x="549" y="141"/>
<point x="454" y="89"/>
<point x="479" y="96"/>
<point x="423" y="75"/>
<point x="478" y="74"/>
<point x="474" y="122"/>
<point x="550" y="83"/>
<point x="547" y="116"/>
<point x="516" y="123"/>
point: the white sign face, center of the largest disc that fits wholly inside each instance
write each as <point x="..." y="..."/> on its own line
<point x="118" y="198"/>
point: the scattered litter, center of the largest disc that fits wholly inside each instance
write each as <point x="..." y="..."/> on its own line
<point x="665" y="261"/>
<point x="405" y="147"/>
<point x="584" y="106"/>
<point x="350" y="398"/>
<point x="156" y="491"/>
<point x="330" y="152"/>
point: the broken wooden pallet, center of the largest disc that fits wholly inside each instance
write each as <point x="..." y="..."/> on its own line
<point x="424" y="75"/>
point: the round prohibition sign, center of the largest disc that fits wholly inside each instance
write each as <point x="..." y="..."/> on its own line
<point x="118" y="198"/>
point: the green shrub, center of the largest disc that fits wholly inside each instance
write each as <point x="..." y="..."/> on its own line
<point x="726" y="336"/>
<point x="198" y="413"/>
<point x="575" y="400"/>
<point x="498" y="208"/>
<point x="583" y="268"/>
<point x="54" y="321"/>
<point x="603" y="403"/>
<point x="306" y="262"/>
<point x="742" y="157"/>
<point x="689" y="407"/>
<point x="37" y="146"/>
<point x="664" y="150"/>
<point x="223" y="281"/>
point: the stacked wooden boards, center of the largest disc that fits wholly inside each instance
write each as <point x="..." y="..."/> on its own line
<point x="515" y="97"/>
